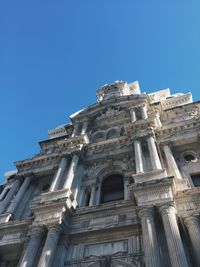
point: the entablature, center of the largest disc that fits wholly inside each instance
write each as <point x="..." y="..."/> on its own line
<point x="37" y="164"/>
<point x="104" y="216"/>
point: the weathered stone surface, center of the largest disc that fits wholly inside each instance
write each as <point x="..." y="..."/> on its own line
<point x="56" y="210"/>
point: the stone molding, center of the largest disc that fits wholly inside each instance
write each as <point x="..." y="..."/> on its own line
<point x="147" y="212"/>
<point x="167" y="209"/>
<point x="191" y="220"/>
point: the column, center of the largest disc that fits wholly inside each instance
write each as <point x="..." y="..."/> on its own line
<point x="98" y="194"/>
<point x="58" y="175"/>
<point x="84" y="131"/>
<point x="138" y="156"/>
<point x="9" y="196"/>
<point x="3" y="193"/>
<point x="193" y="225"/>
<point x="50" y="245"/>
<point x="155" y="161"/>
<point x="23" y="188"/>
<point x="150" y="242"/>
<point x="174" y="242"/>
<point x="133" y="114"/>
<point x="75" y="131"/>
<point x="126" y="192"/>
<point x="84" y="127"/>
<point x="32" y="248"/>
<point x="144" y="112"/>
<point x="171" y="162"/>
<point x="82" y="197"/>
<point x="92" y="196"/>
<point x="62" y="251"/>
<point x="71" y="172"/>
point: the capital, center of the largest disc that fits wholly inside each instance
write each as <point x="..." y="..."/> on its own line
<point x="167" y="210"/>
<point x="192" y="220"/>
<point x="146" y="212"/>
<point x="166" y="143"/>
<point x="54" y="229"/>
<point x="38" y="231"/>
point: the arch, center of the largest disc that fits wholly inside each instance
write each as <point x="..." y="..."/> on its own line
<point x="113" y="132"/>
<point x="112" y="188"/>
<point x="98" y="136"/>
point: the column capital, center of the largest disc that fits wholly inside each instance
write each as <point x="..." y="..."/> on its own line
<point x="146" y="212"/>
<point x="191" y="220"/>
<point x="37" y="231"/>
<point x="131" y="108"/>
<point x="52" y="229"/>
<point x="166" y="143"/>
<point x="167" y="209"/>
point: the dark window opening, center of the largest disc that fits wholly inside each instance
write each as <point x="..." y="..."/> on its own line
<point x="45" y="188"/>
<point x="87" y="200"/>
<point x="112" y="189"/>
<point x="196" y="179"/>
<point x="189" y="158"/>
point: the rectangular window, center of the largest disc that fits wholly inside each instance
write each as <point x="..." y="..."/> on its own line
<point x="196" y="179"/>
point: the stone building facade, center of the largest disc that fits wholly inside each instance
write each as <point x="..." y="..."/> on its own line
<point x="116" y="187"/>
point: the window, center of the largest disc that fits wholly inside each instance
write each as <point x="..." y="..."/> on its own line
<point x="196" y="179"/>
<point x="189" y="157"/>
<point x="112" y="188"/>
<point x="87" y="199"/>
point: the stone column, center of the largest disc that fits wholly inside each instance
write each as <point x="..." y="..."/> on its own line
<point x="133" y="114"/>
<point x="150" y="242"/>
<point x="174" y="242"/>
<point x="98" y="193"/>
<point x="144" y="112"/>
<point x="50" y="245"/>
<point x="75" y="131"/>
<point x="138" y="156"/>
<point x="23" y="188"/>
<point x="193" y="225"/>
<point x="9" y="196"/>
<point x="71" y="172"/>
<point x="126" y="192"/>
<point x="84" y="127"/>
<point x="82" y="197"/>
<point x="171" y="162"/>
<point x="3" y="193"/>
<point x="92" y="196"/>
<point x="32" y="248"/>
<point x="58" y="175"/>
<point x="155" y="161"/>
<point x="62" y="251"/>
<point x="84" y="131"/>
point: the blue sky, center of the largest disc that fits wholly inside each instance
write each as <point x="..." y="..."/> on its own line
<point x="55" y="54"/>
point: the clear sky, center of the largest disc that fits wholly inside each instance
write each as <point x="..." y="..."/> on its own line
<point x="55" y="54"/>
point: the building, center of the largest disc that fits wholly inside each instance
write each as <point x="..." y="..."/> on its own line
<point x="116" y="187"/>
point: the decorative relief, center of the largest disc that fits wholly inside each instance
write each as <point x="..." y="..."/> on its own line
<point x="194" y="113"/>
<point x="93" y="170"/>
<point x="36" y="163"/>
<point x="100" y="135"/>
<point x="109" y="112"/>
<point x="104" y="222"/>
<point x="114" y="260"/>
<point x="152" y="196"/>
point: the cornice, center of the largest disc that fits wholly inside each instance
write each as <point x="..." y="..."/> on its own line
<point x="175" y="129"/>
<point x="40" y="161"/>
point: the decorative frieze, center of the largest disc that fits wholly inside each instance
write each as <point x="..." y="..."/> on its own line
<point x="153" y="192"/>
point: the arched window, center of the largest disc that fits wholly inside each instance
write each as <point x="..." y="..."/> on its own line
<point x="112" y="188"/>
